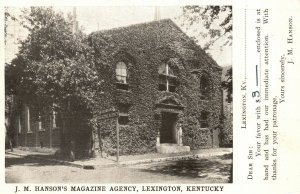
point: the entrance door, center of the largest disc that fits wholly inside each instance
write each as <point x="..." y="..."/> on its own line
<point x="168" y="130"/>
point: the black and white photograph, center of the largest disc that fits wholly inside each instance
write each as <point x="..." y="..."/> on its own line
<point x="118" y="94"/>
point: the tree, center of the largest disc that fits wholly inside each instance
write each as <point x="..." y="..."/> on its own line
<point x="54" y="66"/>
<point x="7" y="17"/>
<point x="211" y="25"/>
<point x="227" y="85"/>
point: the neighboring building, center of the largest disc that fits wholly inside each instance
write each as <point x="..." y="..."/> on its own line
<point x="166" y="88"/>
<point x="35" y="127"/>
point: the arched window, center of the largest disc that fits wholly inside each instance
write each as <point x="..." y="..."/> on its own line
<point x="121" y="72"/>
<point x="121" y="75"/>
<point x="204" y="119"/>
<point x="204" y="87"/>
<point x="167" y="79"/>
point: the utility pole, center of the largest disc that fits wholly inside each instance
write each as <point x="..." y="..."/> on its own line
<point x="118" y="140"/>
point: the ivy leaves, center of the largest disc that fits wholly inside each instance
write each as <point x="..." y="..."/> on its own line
<point x="54" y="65"/>
<point x="216" y="21"/>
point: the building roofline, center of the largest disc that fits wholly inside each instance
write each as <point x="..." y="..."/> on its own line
<point x="166" y="21"/>
<point x="134" y="25"/>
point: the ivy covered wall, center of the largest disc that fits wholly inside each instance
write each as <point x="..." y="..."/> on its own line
<point x="143" y="48"/>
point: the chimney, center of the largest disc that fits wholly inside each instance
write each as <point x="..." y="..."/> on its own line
<point x="75" y="22"/>
<point x="157" y="14"/>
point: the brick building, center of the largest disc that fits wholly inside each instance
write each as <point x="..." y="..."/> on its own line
<point x="166" y="88"/>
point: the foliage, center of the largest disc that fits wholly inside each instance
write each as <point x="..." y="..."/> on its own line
<point x="216" y="21"/>
<point x="227" y="85"/>
<point x="7" y="17"/>
<point x="53" y="66"/>
<point x="145" y="46"/>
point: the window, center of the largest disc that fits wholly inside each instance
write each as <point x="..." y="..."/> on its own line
<point x="54" y="119"/>
<point x="42" y="122"/>
<point x="204" y="87"/>
<point x="19" y="124"/>
<point x="123" y="114"/>
<point x="27" y="119"/>
<point x="121" y="75"/>
<point x="204" y="119"/>
<point x="167" y="79"/>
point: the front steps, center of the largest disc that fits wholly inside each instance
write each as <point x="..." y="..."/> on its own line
<point x="167" y="148"/>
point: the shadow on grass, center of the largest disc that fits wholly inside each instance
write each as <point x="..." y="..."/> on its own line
<point x="218" y="168"/>
<point x="225" y="156"/>
<point x="31" y="160"/>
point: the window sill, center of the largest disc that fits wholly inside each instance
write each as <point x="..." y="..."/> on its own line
<point x="55" y="128"/>
<point x="123" y="125"/>
<point x="167" y="91"/>
<point x="121" y="90"/>
<point x="122" y="86"/>
<point x="123" y="114"/>
<point x="29" y="132"/>
<point x="167" y="75"/>
<point x="42" y="130"/>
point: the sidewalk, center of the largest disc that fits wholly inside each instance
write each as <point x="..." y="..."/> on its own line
<point x="98" y="162"/>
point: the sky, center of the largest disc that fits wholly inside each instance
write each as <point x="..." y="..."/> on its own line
<point x="103" y="17"/>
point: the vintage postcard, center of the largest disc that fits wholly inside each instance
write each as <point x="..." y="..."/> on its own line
<point x="150" y="97"/>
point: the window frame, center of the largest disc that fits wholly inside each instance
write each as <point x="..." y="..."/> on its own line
<point x="19" y="123"/>
<point x="122" y="85"/>
<point x="40" y="123"/>
<point x="53" y="119"/>
<point x="42" y="119"/>
<point x="123" y="118"/>
<point x="205" y="91"/>
<point x="168" y="77"/>
<point x="203" y="120"/>
<point x="27" y="119"/>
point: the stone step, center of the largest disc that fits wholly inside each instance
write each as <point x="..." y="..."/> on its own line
<point x="172" y="148"/>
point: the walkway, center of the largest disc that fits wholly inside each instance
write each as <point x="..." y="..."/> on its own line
<point x="98" y="162"/>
